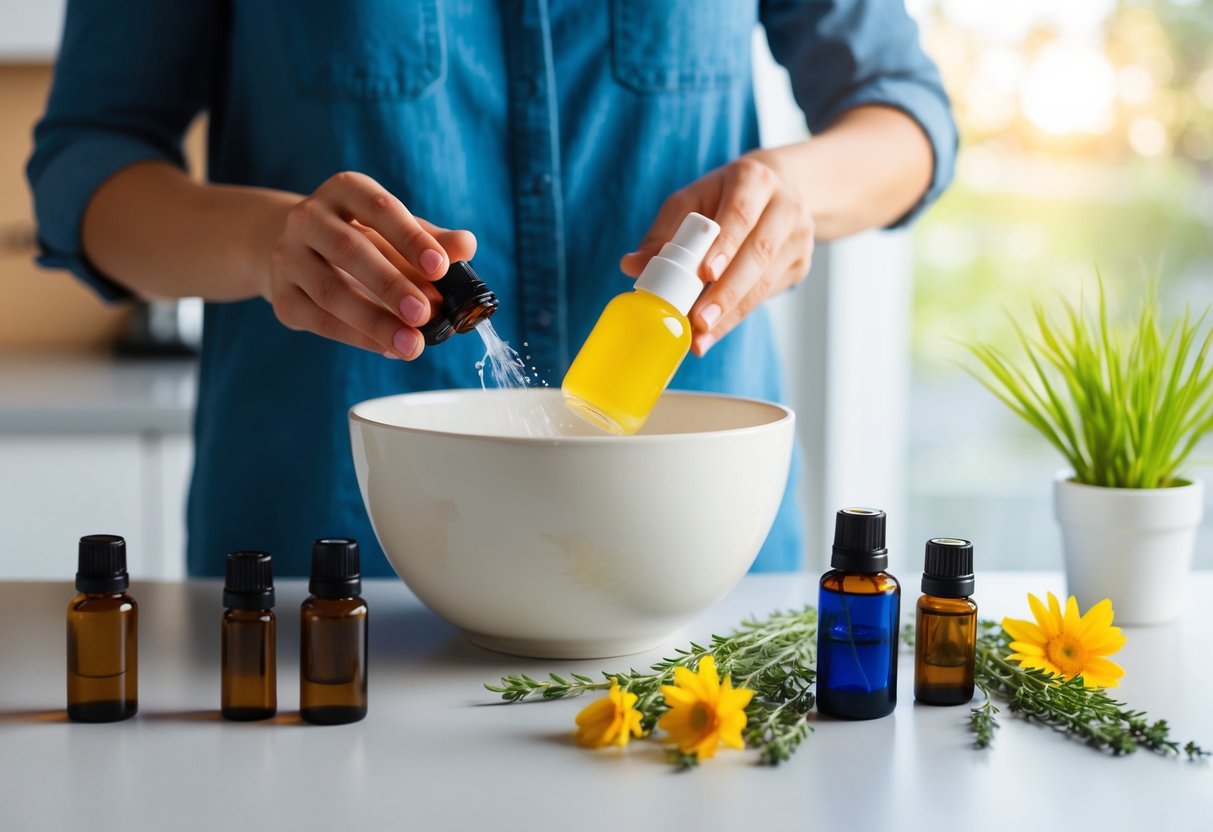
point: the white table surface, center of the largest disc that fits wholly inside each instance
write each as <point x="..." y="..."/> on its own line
<point x="437" y="752"/>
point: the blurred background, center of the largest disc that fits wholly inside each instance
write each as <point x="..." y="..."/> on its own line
<point x="1087" y="142"/>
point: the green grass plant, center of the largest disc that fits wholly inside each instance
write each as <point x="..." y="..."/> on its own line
<point x="1126" y="405"/>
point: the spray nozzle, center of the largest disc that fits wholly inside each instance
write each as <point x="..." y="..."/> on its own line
<point x="466" y="301"/>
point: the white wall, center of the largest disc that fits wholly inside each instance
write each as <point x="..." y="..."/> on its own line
<point x="844" y="341"/>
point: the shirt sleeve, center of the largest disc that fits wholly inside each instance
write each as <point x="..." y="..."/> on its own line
<point x="130" y="77"/>
<point x="843" y="54"/>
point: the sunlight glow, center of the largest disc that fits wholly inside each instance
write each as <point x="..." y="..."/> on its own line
<point x="1070" y="88"/>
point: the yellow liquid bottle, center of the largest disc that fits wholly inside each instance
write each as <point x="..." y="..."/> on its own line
<point x="641" y="337"/>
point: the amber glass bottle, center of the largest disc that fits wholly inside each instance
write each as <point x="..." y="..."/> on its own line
<point x="466" y="301"/>
<point x="333" y="637"/>
<point x="859" y="604"/>
<point x="250" y="679"/>
<point x="945" y="638"/>
<point x="102" y="635"/>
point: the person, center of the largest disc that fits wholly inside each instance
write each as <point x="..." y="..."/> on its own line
<point x="356" y="149"/>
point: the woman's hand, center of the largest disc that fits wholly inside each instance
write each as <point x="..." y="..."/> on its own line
<point x="351" y="263"/>
<point x="765" y="243"/>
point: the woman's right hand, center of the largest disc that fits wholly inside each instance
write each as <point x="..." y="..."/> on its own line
<point x="351" y="263"/>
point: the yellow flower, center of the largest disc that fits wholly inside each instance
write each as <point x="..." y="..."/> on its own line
<point x="1067" y="645"/>
<point x="704" y="711"/>
<point x="611" y="720"/>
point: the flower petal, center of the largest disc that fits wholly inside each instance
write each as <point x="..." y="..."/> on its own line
<point x="1049" y="623"/>
<point x="1101" y="673"/>
<point x="677" y="723"/>
<point x="688" y="680"/>
<point x="1027" y="649"/>
<point x="1024" y="631"/>
<point x="1106" y="643"/>
<point x="1072" y="619"/>
<point x="709" y="679"/>
<point x="1039" y="663"/>
<point x="705" y="749"/>
<point x="1054" y="607"/>
<point x="1096" y="619"/>
<point x="675" y="697"/>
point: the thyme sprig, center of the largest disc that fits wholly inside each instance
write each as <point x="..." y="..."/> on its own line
<point x="775" y="657"/>
<point x="1088" y="715"/>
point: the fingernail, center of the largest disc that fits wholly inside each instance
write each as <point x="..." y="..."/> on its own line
<point x="704" y="343"/>
<point x="710" y="314"/>
<point x="405" y="341"/>
<point x="414" y="310"/>
<point x="391" y="355"/>
<point x="430" y="260"/>
<point x="716" y="267"/>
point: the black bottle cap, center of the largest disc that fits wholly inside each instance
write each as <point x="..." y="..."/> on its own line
<point x="948" y="571"/>
<point x="336" y="571"/>
<point x="102" y="564"/>
<point x="859" y="540"/>
<point x="250" y="581"/>
<point x="437" y="330"/>
<point x="466" y="301"/>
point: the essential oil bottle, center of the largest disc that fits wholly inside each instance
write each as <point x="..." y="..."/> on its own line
<point x="250" y="678"/>
<point x="466" y="301"/>
<point x="857" y="632"/>
<point x="641" y="337"/>
<point x="333" y="637"/>
<point x="945" y="637"/>
<point x="102" y="635"/>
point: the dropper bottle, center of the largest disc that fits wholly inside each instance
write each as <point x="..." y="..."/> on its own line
<point x="333" y="636"/>
<point x="466" y="301"/>
<point x="945" y="636"/>
<point x="642" y="336"/>
<point x="102" y="635"/>
<point x="249" y="687"/>
<point x="859" y="605"/>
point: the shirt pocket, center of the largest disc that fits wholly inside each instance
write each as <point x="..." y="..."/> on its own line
<point x="672" y="45"/>
<point x="364" y="49"/>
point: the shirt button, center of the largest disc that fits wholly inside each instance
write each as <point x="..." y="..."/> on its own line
<point x="543" y="318"/>
<point x="530" y="87"/>
<point x="541" y="183"/>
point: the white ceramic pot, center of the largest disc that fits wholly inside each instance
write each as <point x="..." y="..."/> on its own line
<point x="580" y="545"/>
<point x="1133" y="545"/>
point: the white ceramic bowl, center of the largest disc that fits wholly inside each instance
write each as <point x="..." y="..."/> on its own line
<point x="577" y="545"/>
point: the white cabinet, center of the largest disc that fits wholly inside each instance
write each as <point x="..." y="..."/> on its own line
<point x="56" y="487"/>
<point x="30" y="29"/>
<point x="91" y="445"/>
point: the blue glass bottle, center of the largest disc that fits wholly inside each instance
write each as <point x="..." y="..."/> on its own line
<point x="858" y="612"/>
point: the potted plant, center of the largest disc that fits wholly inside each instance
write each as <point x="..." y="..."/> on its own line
<point x="1125" y="406"/>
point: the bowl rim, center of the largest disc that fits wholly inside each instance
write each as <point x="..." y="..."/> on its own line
<point x="787" y="416"/>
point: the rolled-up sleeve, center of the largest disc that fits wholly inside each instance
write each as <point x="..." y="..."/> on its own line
<point x="130" y="77"/>
<point x="843" y="54"/>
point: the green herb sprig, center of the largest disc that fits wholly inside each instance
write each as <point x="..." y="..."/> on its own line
<point x="1085" y="714"/>
<point x="1125" y="408"/>
<point x="775" y="657"/>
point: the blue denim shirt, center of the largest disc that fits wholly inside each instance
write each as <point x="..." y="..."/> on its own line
<point x="552" y="129"/>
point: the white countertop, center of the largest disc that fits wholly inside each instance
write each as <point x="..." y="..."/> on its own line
<point x="437" y="752"/>
<point x="97" y="393"/>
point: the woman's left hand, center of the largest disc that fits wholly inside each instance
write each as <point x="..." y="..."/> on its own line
<point x="765" y="243"/>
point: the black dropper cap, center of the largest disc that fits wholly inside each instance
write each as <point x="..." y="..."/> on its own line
<point x="101" y="565"/>
<point x="859" y="540"/>
<point x="336" y="572"/>
<point x="250" y="581"/>
<point x="948" y="571"/>
<point x="466" y="301"/>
